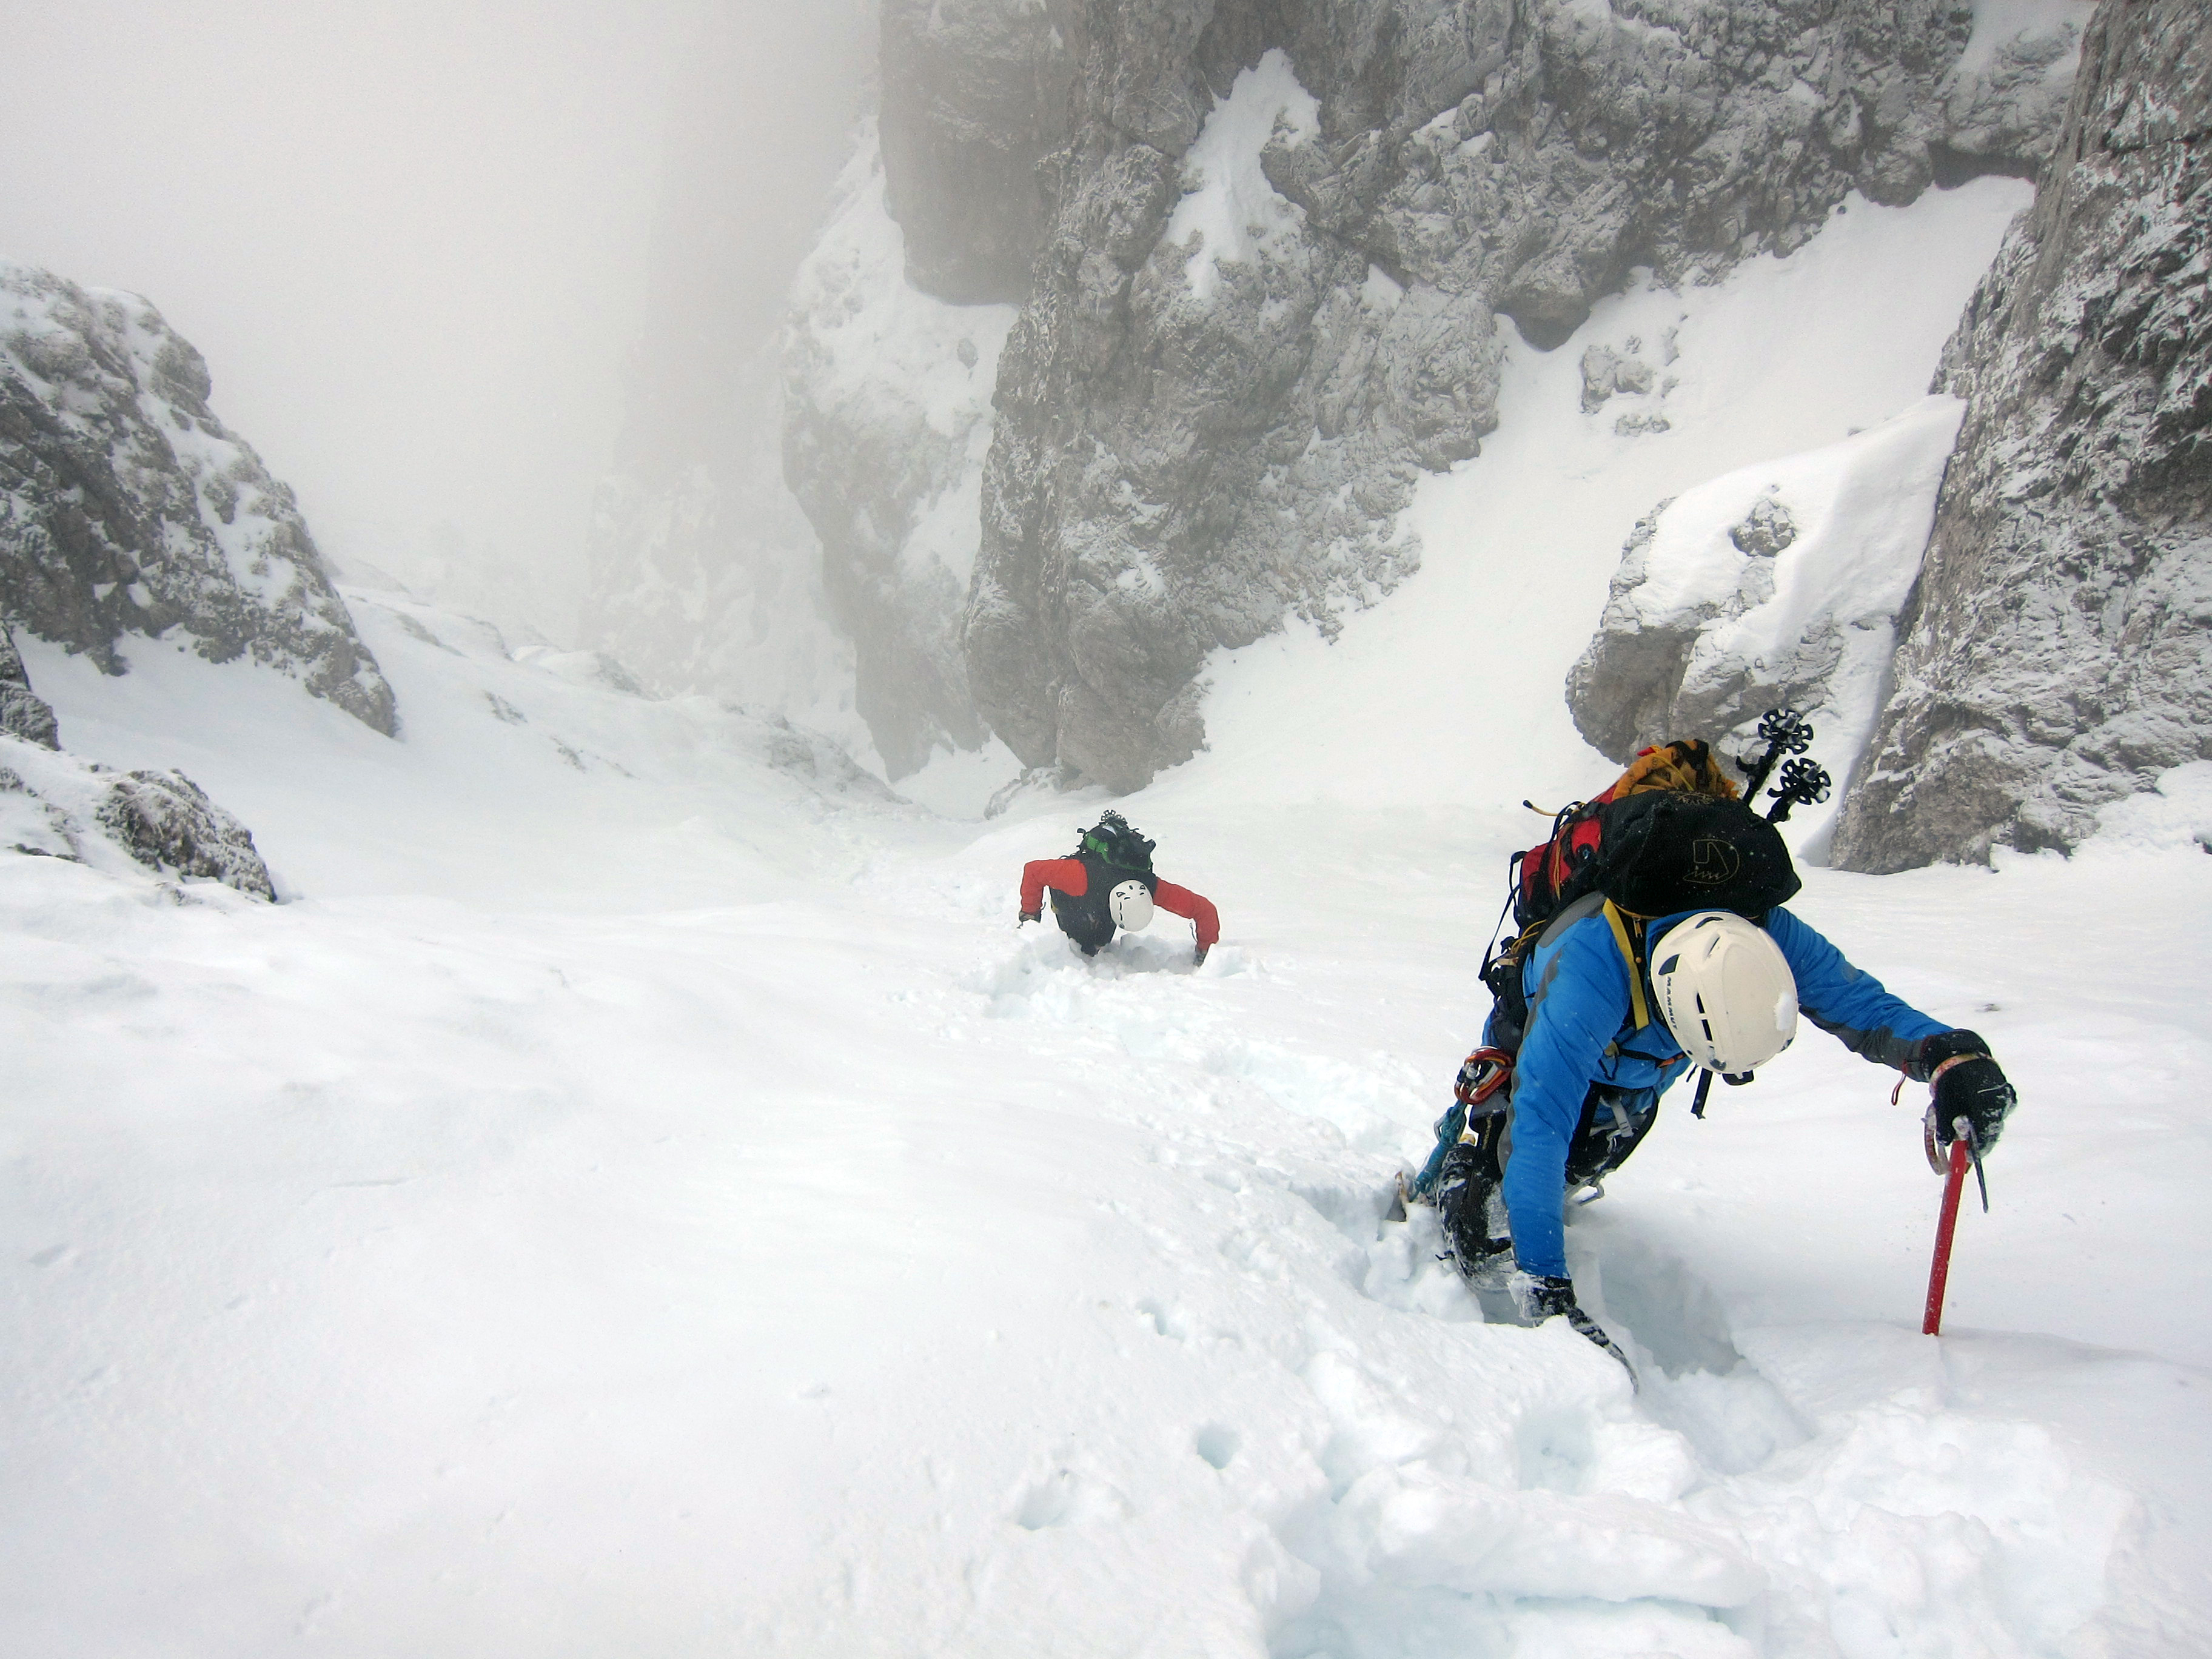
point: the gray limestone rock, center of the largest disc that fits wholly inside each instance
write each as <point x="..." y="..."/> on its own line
<point x="1606" y="372"/>
<point x="975" y="94"/>
<point x="1195" y="440"/>
<point x="1621" y="691"/>
<point x="23" y="713"/>
<point x="166" y="821"/>
<point x="1765" y="530"/>
<point x="129" y="509"/>
<point x="2058" y="653"/>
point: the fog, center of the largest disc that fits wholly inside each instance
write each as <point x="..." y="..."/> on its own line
<point x="430" y="250"/>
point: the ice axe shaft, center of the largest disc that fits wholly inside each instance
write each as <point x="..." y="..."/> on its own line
<point x="1939" y="1270"/>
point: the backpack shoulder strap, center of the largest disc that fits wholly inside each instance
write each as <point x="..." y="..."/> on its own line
<point x="1619" y="923"/>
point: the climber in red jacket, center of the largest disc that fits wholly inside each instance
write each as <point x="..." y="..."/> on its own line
<point x="1107" y="884"/>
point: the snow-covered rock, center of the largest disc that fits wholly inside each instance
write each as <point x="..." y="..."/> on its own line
<point x="1281" y="238"/>
<point x="57" y="805"/>
<point x="2057" y="653"/>
<point x="156" y="822"/>
<point x="1777" y="584"/>
<point x="23" y="713"/>
<point x="129" y="509"/>
<point x="887" y="418"/>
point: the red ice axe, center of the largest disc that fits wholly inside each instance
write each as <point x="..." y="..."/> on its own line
<point x="1954" y="1182"/>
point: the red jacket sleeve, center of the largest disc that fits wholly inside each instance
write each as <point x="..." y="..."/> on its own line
<point x="1182" y="902"/>
<point x="1038" y="874"/>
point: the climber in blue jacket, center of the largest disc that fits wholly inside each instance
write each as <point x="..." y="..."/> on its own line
<point x="1616" y="1009"/>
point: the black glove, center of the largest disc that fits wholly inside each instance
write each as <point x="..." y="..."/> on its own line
<point x="1030" y="916"/>
<point x="1970" y="1085"/>
<point x="1542" y="1297"/>
<point x="1198" y="960"/>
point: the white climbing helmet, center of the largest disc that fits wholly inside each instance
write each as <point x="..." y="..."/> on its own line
<point x="1725" y="991"/>
<point x="1131" y="905"/>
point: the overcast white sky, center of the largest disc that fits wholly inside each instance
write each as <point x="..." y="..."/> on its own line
<point x="414" y="238"/>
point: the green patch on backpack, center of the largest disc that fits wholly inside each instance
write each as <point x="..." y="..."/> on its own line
<point x="1115" y="841"/>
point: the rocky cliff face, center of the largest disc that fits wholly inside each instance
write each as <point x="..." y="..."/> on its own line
<point x="887" y="417"/>
<point x="2058" y="653"/>
<point x="892" y="350"/>
<point x="23" y="713"/>
<point x="1277" y="245"/>
<point x="975" y="94"/>
<point x="131" y="509"/>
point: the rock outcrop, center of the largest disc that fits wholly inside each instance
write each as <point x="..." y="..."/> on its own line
<point x="166" y="822"/>
<point x="975" y="94"/>
<point x="56" y="805"/>
<point x="129" y="509"/>
<point x="1279" y="242"/>
<point x="23" y="713"/>
<point x="2057" y="654"/>
<point x="1778" y="585"/>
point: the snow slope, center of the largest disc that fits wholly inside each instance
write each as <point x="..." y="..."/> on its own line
<point x="642" y="1195"/>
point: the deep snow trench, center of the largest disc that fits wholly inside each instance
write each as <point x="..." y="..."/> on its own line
<point x="644" y="1195"/>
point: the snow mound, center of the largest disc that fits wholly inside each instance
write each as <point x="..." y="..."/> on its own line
<point x="2175" y="816"/>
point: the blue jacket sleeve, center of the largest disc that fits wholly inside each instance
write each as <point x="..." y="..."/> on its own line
<point x="1849" y="1002"/>
<point x="1577" y="1004"/>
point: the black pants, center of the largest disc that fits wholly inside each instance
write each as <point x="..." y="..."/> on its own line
<point x="1086" y="920"/>
<point x="1464" y="1173"/>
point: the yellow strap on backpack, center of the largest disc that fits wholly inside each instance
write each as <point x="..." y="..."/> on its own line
<point x="1619" y="925"/>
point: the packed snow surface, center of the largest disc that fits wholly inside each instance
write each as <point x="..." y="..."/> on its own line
<point x="642" y="1195"/>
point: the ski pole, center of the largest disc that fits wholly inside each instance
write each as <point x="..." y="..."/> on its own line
<point x="1939" y="1272"/>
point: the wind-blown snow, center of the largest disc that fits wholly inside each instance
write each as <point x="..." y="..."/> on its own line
<point x="642" y="1195"/>
<point x="1999" y="23"/>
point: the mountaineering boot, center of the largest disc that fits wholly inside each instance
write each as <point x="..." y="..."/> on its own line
<point x="1467" y="1195"/>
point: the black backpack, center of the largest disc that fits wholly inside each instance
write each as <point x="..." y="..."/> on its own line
<point x="1671" y="834"/>
<point x="1113" y="839"/>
